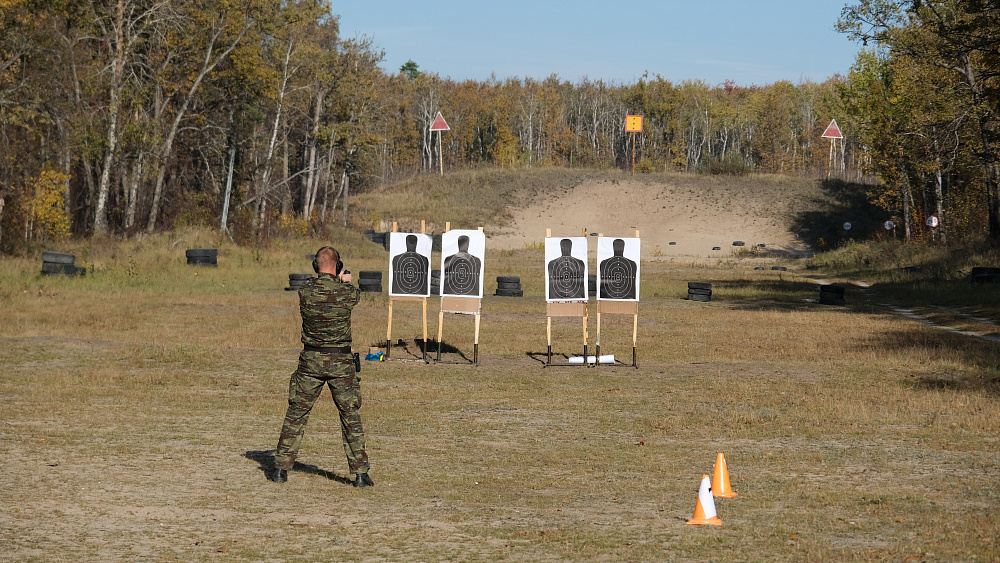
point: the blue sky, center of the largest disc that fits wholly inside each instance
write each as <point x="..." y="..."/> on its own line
<point x="749" y="41"/>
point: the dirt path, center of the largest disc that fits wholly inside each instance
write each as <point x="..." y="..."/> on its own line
<point x="673" y="221"/>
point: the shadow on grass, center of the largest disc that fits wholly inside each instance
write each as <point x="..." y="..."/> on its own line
<point x="265" y="461"/>
<point x="979" y="359"/>
<point x="845" y="202"/>
<point x="765" y="295"/>
<point x="432" y="349"/>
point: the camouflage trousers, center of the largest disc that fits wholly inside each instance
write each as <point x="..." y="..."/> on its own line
<point x="315" y="370"/>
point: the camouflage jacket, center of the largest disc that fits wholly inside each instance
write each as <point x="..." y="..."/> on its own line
<point x="325" y="303"/>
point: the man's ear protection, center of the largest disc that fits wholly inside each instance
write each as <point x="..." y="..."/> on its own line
<point x="340" y="265"/>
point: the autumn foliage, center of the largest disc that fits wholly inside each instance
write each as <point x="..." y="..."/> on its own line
<point x="247" y="116"/>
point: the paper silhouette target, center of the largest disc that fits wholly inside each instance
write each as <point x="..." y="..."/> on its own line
<point x="618" y="269"/>
<point x="566" y="269"/>
<point x="409" y="264"/>
<point x="462" y="256"/>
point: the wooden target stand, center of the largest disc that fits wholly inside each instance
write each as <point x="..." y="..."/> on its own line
<point x="407" y="298"/>
<point x="616" y="308"/>
<point x="460" y="306"/>
<point x="577" y="309"/>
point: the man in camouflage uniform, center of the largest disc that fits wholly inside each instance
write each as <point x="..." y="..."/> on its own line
<point x="325" y="303"/>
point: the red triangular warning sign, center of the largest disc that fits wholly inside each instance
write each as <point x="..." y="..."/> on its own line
<point x="832" y="131"/>
<point x="440" y="124"/>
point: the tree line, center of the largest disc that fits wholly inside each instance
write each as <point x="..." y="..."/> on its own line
<point x="924" y="97"/>
<point x="124" y="116"/>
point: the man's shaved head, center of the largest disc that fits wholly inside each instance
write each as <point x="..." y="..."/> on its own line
<point x="327" y="259"/>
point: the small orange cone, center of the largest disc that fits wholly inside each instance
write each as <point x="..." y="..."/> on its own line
<point x="704" y="511"/>
<point x="720" y="482"/>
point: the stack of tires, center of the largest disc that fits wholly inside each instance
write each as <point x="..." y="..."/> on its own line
<point x="831" y="294"/>
<point x="509" y="286"/>
<point x="59" y="264"/>
<point x="699" y="291"/>
<point x="983" y="274"/>
<point x="381" y="239"/>
<point x="370" y="281"/>
<point x="295" y="281"/>
<point x="435" y="282"/>
<point x="738" y="243"/>
<point x="202" y="257"/>
<point x="592" y="285"/>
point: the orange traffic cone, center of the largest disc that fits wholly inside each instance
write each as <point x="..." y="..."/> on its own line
<point x="720" y="482"/>
<point x="704" y="511"/>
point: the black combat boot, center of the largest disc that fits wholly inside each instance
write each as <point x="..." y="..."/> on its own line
<point x="277" y="475"/>
<point x="363" y="480"/>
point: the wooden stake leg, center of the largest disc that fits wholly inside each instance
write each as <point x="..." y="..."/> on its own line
<point x="597" y="346"/>
<point x="440" y="333"/>
<point x="475" y="345"/>
<point x="388" y="333"/>
<point x="635" y="332"/>
<point x="548" y="332"/>
<point x="425" y="329"/>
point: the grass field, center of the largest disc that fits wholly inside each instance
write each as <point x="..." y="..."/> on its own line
<point x="141" y="403"/>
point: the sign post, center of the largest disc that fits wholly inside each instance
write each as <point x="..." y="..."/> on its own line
<point x="833" y="133"/>
<point x="439" y="125"/>
<point x="633" y="125"/>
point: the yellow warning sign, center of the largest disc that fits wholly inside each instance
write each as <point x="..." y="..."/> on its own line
<point x="633" y="124"/>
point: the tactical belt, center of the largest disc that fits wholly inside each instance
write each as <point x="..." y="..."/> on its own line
<point x="327" y="349"/>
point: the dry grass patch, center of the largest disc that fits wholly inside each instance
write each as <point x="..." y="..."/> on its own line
<point x="139" y="409"/>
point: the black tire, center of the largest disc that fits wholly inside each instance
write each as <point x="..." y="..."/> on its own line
<point x="436" y="274"/>
<point x="508" y="279"/>
<point x="199" y="252"/>
<point x="716" y="248"/>
<point x="696" y="297"/>
<point x="694" y="291"/>
<point x="436" y="289"/>
<point x="58" y="268"/>
<point x="671" y="243"/>
<point x="976" y="271"/>
<point x="987" y="278"/>
<point x="81" y="270"/>
<point x="300" y="276"/>
<point x="831" y="301"/>
<point x="371" y="287"/>
<point x="510" y="293"/>
<point x="838" y="289"/>
<point x="592" y="283"/>
<point x="291" y="288"/>
<point x="699" y="285"/>
<point x="375" y="275"/>
<point x="508" y="285"/>
<point x="60" y="258"/>
<point x="759" y="268"/>
<point x="779" y="269"/>
<point x="738" y="243"/>
<point x="202" y="261"/>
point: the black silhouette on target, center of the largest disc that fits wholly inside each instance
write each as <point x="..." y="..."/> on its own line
<point x="461" y="271"/>
<point x="618" y="274"/>
<point x="567" y="274"/>
<point x="410" y="270"/>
